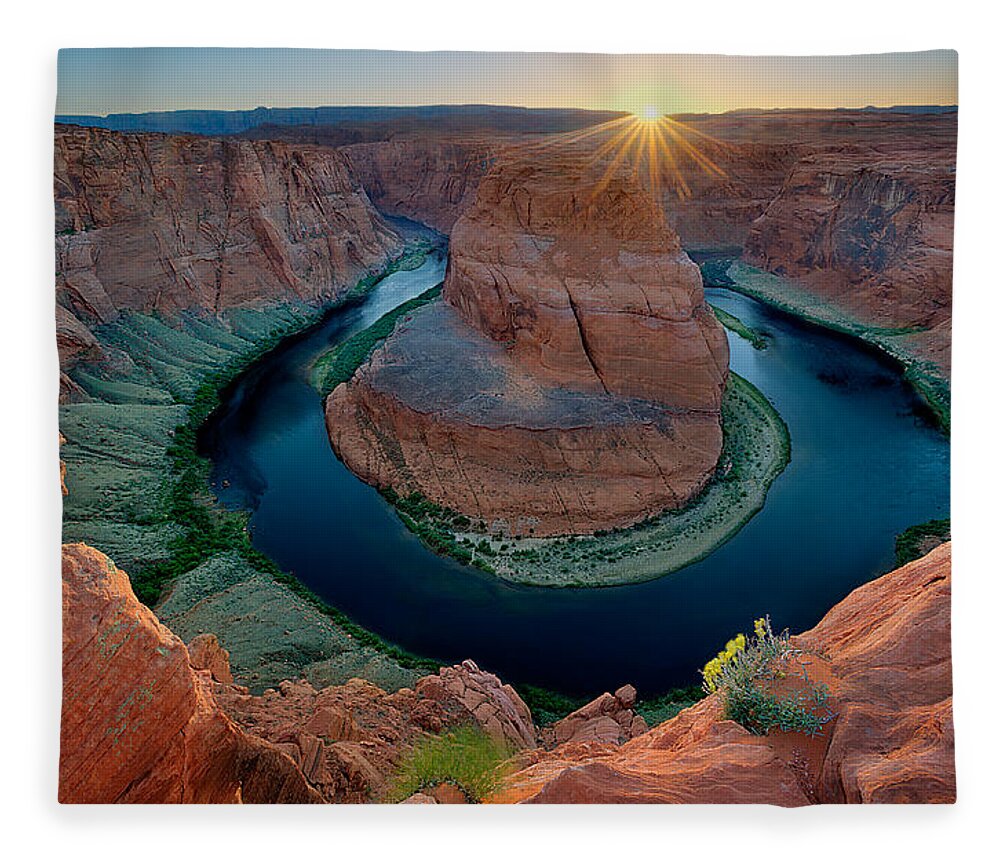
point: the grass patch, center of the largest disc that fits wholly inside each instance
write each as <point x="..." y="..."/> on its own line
<point x="662" y="708"/>
<point x="340" y="363"/>
<point x="548" y="706"/>
<point x="736" y="325"/>
<point x="465" y="757"/>
<point x="916" y="541"/>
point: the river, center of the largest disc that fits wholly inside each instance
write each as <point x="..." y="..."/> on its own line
<point x="866" y="463"/>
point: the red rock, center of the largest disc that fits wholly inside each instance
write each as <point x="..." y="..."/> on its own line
<point x="889" y="643"/>
<point x="493" y="705"/>
<point x="886" y="651"/>
<point x="205" y="652"/>
<point x="626" y="696"/>
<point x="579" y="273"/>
<point x="445" y="792"/>
<point x="429" y="179"/>
<point x="572" y="383"/>
<point x="167" y="222"/>
<point x="607" y="719"/>
<point x="139" y="724"/>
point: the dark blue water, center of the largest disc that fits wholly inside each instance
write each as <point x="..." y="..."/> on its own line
<point x="866" y="463"/>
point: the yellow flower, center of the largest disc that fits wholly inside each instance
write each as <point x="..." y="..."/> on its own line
<point x="760" y="627"/>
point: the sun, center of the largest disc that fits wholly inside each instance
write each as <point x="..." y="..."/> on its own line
<point x="649" y="113"/>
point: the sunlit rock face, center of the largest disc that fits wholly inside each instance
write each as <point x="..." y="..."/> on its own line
<point x="579" y="273"/>
<point x="570" y="381"/>
<point x="162" y="223"/>
<point x="886" y="652"/>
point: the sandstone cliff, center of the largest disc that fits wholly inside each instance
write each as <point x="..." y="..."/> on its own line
<point x="571" y="380"/>
<point x="870" y="231"/>
<point x="854" y="208"/>
<point x="139" y="723"/>
<point x="429" y="179"/>
<point x="147" y="720"/>
<point x="885" y="651"/>
<point x="151" y="222"/>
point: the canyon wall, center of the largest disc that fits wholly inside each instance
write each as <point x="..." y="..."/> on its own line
<point x="572" y="378"/>
<point x="139" y="723"/>
<point x="853" y="208"/>
<point x="429" y="179"/>
<point x="159" y="223"/>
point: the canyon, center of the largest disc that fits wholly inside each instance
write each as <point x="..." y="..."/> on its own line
<point x="148" y="719"/>
<point x="572" y="378"/>
<point x="538" y="396"/>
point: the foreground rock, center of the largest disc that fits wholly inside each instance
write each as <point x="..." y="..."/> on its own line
<point x="572" y="379"/>
<point x="139" y="723"/>
<point x="148" y="720"/>
<point x="349" y="739"/>
<point x="607" y="719"/>
<point x="887" y="654"/>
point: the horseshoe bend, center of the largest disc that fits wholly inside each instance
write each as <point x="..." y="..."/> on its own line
<point x="571" y="379"/>
<point x="340" y="388"/>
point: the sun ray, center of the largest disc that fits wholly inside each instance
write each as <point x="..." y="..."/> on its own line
<point x="660" y="150"/>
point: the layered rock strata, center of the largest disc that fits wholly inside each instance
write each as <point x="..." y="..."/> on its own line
<point x="572" y="378"/>
<point x="429" y="179"/>
<point x="871" y="232"/>
<point x="152" y="222"/>
<point x="139" y="723"/>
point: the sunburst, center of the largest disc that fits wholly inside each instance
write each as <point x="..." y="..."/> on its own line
<point x="658" y="147"/>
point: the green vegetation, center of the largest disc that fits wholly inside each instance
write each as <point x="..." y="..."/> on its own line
<point x="339" y="364"/>
<point x="466" y="757"/>
<point x="139" y="490"/>
<point x="736" y="325"/>
<point x="765" y="684"/>
<point x="756" y="449"/>
<point x="413" y="259"/>
<point x="669" y="705"/>
<point x="916" y="541"/>
<point x="548" y="706"/>
<point x="927" y="379"/>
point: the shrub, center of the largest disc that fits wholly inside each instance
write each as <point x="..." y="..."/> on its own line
<point x="917" y="541"/>
<point x="465" y="757"/>
<point x="746" y="672"/>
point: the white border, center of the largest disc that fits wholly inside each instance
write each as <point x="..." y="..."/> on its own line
<point x="30" y="611"/>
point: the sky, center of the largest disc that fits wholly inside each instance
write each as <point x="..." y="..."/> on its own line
<point x="134" y="80"/>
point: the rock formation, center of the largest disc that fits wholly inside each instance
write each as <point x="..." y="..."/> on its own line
<point x="146" y="719"/>
<point x="571" y="380"/>
<point x="855" y="208"/>
<point x="607" y="719"/>
<point x="887" y="654"/>
<point x="428" y="179"/>
<point x="139" y="723"/>
<point x="870" y="231"/>
<point x="154" y="222"/>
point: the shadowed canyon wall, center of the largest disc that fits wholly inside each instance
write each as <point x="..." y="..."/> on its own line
<point x="158" y="223"/>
